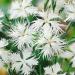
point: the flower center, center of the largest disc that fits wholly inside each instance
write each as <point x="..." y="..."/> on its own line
<point x="46" y="20"/>
<point x="50" y="41"/>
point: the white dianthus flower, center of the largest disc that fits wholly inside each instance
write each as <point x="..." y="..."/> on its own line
<point x="45" y="19"/>
<point x="22" y="63"/>
<point x="72" y="73"/>
<point x="4" y="55"/>
<point x="52" y="44"/>
<point x="70" y="10"/>
<point x="53" y="70"/>
<point x="3" y="43"/>
<point x="59" y="5"/>
<point x="21" y="35"/>
<point x="21" y="9"/>
<point x="66" y="54"/>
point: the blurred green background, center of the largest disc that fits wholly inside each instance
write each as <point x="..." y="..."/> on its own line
<point x="5" y="2"/>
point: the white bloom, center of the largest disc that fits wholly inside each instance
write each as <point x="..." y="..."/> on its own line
<point x="71" y="17"/>
<point x="1" y="14"/>
<point x="59" y="5"/>
<point x="72" y="73"/>
<point x="18" y="61"/>
<point x="17" y="10"/>
<point x="48" y="15"/>
<point x="66" y="54"/>
<point x="3" y="54"/>
<point x="4" y="57"/>
<point x="21" y="9"/>
<point x="46" y="18"/>
<point x="70" y="10"/>
<point x="54" y="27"/>
<point x="73" y="1"/>
<point x="3" y="43"/>
<point x="31" y="10"/>
<point x="53" y="70"/>
<point x="21" y="35"/>
<point x="52" y="44"/>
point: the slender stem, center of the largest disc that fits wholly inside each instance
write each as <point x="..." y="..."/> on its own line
<point x="40" y="70"/>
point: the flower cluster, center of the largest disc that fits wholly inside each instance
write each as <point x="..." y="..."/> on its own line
<point x="37" y="37"/>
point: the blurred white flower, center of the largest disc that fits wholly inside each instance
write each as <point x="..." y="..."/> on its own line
<point x="31" y="10"/>
<point x="45" y="19"/>
<point x="72" y="73"/>
<point x="70" y="11"/>
<point x="69" y="54"/>
<point x="21" y="35"/>
<point x="1" y="25"/>
<point x="51" y="44"/>
<point x="53" y="70"/>
<point x="71" y="17"/>
<point x="22" y="63"/>
<point x="59" y="5"/>
<point x="69" y="8"/>
<point x="1" y="14"/>
<point x="4" y="57"/>
<point x="66" y="54"/>
<point x="3" y="53"/>
<point x="73" y="1"/>
<point x="3" y="43"/>
<point x="21" y="9"/>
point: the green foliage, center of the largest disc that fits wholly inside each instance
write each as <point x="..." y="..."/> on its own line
<point x="53" y="4"/>
<point x="45" y="4"/>
<point x="4" y="3"/>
